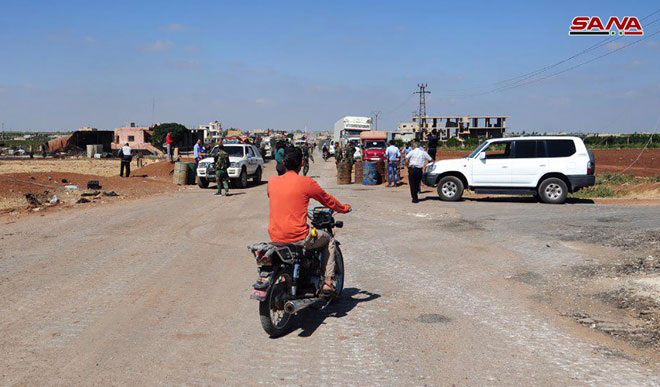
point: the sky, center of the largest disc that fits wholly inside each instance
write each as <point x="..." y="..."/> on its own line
<point x="305" y="64"/>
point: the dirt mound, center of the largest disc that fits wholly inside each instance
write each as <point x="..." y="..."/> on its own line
<point x="161" y="170"/>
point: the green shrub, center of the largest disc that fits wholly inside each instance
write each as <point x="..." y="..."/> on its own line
<point x="598" y="191"/>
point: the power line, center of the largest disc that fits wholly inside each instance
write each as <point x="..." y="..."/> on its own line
<point x="520" y="83"/>
<point x="531" y="74"/>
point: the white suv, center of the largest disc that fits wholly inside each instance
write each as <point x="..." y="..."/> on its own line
<point x="547" y="167"/>
<point x="245" y="161"/>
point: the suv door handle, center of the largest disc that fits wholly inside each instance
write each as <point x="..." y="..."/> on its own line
<point x="505" y="166"/>
<point x="542" y="165"/>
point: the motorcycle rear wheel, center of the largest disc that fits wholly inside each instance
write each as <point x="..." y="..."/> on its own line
<point x="273" y="318"/>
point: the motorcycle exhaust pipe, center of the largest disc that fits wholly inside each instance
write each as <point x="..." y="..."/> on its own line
<point x="295" y="306"/>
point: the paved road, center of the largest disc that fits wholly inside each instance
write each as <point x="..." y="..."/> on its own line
<point x="155" y="292"/>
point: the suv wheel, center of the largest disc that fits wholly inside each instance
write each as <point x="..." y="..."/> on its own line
<point x="242" y="179"/>
<point x="202" y="182"/>
<point x="553" y="191"/>
<point x="257" y="177"/>
<point x="450" y="188"/>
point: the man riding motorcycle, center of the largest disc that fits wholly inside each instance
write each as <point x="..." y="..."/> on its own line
<point x="289" y="196"/>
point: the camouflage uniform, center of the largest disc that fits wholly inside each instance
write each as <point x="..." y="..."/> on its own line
<point x="221" y="176"/>
<point x="307" y="154"/>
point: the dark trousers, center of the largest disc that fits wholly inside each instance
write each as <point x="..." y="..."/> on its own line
<point x="414" y="180"/>
<point x="432" y="153"/>
<point x="125" y="165"/>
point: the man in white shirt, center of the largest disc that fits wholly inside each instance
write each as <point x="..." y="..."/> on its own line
<point x="126" y="156"/>
<point x="392" y="155"/>
<point x="417" y="159"/>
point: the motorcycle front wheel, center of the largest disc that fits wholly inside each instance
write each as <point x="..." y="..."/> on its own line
<point x="273" y="318"/>
<point x="339" y="272"/>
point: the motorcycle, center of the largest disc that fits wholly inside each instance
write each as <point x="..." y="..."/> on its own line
<point x="291" y="277"/>
<point x="326" y="155"/>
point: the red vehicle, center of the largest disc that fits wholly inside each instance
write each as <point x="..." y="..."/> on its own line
<point x="373" y="145"/>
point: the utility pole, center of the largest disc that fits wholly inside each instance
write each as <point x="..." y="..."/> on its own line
<point x="376" y="113"/>
<point x="422" y="98"/>
<point x="422" y="105"/>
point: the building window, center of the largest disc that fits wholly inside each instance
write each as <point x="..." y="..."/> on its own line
<point x="131" y="138"/>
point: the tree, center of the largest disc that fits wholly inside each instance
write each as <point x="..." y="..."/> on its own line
<point x="160" y="132"/>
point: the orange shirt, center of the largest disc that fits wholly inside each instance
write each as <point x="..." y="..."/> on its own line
<point x="289" y="198"/>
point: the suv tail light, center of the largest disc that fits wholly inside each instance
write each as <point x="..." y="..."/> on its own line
<point x="590" y="168"/>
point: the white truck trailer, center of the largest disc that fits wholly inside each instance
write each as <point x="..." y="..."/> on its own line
<point x="349" y="128"/>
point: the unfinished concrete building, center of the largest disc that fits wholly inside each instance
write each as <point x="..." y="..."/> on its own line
<point x="461" y="127"/>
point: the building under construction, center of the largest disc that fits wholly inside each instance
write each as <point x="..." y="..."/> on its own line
<point x="461" y="127"/>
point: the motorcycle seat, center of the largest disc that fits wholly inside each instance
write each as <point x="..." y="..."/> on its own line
<point x="289" y="251"/>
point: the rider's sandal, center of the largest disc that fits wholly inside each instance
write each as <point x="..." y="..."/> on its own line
<point x="328" y="291"/>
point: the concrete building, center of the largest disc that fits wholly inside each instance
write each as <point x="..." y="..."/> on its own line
<point x="137" y="137"/>
<point x="210" y="133"/>
<point x="461" y="127"/>
<point x="78" y="141"/>
<point x="406" y="131"/>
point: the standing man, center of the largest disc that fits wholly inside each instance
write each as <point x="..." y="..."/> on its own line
<point x="279" y="157"/>
<point x="404" y="152"/>
<point x="198" y="151"/>
<point x="392" y="154"/>
<point x="221" y="165"/>
<point x="307" y="154"/>
<point x="169" y="143"/>
<point x="433" y="143"/>
<point x="125" y="154"/>
<point x="416" y="161"/>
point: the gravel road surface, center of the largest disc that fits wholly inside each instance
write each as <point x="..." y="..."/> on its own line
<point x="156" y="292"/>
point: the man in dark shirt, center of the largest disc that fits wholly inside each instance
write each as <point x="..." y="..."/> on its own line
<point x="433" y="143"/>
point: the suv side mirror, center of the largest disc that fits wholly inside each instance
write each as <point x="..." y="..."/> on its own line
<point x="482" y="156"/>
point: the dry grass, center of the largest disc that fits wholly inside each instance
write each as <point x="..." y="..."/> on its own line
<point x="99" y="167"/>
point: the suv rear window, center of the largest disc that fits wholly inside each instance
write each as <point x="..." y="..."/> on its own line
<point x="560" y="148"/>
<point x="529" y="149"/>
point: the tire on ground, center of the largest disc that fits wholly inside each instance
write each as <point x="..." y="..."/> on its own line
<point x="553" y="191"/>
<point x="257" y="177"/>
<point x="450" y="189"/>
<point x="241" y="182"/>
<point x="202" y="182"/>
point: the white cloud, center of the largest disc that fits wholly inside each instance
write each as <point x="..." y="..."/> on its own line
<point x="614" y="45"/>
<point x="183" y="64"/>
<point x="89" y="39"/>
<point x="260" y="101"/>
<point x="157" y="46"/>
<point x="172" y="27"/>
<point x="631" y="94"/>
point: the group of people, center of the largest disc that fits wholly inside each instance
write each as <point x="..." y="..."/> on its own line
<point x="280" y="150"/>
<point x="416" y="158"/>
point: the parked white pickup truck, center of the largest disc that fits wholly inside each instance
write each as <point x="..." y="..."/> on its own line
<point x="245" y="161"/>
<point x="547" y="167"/>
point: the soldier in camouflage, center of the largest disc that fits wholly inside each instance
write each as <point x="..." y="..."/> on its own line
<point x="307" y="154"/>
<point x="345" y="153"/>
<point x="221" y="164"/>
